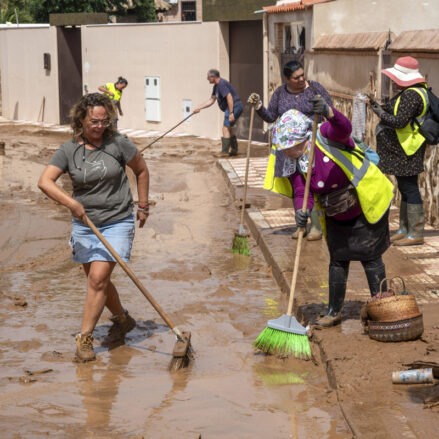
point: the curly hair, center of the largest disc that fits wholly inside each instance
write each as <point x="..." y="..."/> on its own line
<point x="79" y="111"/>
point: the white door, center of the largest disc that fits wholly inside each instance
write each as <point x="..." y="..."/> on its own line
<point x="152" y="99"/>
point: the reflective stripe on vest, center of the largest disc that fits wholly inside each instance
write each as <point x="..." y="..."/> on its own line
<point x="374" y="189"/>
<point x="117" y="93"/>
<point x="410" y="138"/>
<point x="278" y="185"/>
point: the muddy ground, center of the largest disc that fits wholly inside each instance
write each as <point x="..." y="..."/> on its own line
<point x="183" y="257"/>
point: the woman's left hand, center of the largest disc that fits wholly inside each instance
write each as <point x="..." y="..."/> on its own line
<point x="142" y="217"/>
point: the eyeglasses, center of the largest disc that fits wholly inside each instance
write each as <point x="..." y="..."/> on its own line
<point x="103" y="122"/>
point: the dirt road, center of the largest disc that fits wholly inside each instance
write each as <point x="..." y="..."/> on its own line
<point x="183" y="257"/>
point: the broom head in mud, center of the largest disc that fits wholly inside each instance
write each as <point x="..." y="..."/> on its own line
<point x="240" y="242"/>
<point x="182" y="352"/>
<point x="240" y="245"/>
<point x="284" y="336"/>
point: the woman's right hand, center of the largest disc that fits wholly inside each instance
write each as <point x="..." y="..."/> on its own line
<point x="78" y="210"/>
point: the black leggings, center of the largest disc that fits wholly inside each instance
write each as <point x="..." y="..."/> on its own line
<point x="374" y="269"/>
<point x="408" y="186"/>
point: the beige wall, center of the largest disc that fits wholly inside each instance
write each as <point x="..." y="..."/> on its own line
<point x="352" y="16"/>
<point x="179" y="53"/>
<point x="353" y="77"/>
<point x="24" y="81"/>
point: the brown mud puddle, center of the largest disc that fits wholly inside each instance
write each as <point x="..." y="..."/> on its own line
<point x="183" y="257"/>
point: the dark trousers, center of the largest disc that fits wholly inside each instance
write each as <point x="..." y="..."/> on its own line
<point x="339" y="270"/>
<point x="408" y="186"/>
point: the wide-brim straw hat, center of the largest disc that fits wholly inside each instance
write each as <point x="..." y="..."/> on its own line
<point x="405" y="72"/>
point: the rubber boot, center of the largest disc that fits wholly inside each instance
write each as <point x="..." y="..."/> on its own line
<point x="122" y="324"/>
<point x="375" y="273"/>
<point x="84" y="347"/>
<point x="403" y="223"/>
<point x="338" y="276"/>
<point x="233" y="146"/>
<point x="315" y="233"/>
<point x="415" y="216"/>
<point x="225" y="145"/>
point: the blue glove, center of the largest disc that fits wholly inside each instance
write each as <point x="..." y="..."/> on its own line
<point x="302" y="217"/>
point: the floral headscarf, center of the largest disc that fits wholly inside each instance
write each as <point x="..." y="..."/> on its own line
<point x="292" y="128"/>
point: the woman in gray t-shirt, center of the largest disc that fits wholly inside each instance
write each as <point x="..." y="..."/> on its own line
<point x="95" y="160"/>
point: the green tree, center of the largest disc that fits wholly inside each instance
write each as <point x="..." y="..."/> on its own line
<point x="144" y="10"/>
<point x="40" y="9"/>
<point x="8" y="8"/>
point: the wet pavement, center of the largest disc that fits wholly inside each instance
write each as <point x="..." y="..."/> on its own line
<point x="358" y="368"/>
<point x="183" y="258"/>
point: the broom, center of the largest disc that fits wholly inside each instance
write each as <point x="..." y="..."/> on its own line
<point x="240" y="241"/>
<point x="285" y="336"/>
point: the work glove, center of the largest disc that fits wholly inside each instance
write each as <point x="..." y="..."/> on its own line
<point x="376" y="108"/>
<point x="302" y="217"/>
<point x="320" y="106"/>
<point x="255" y="99"/>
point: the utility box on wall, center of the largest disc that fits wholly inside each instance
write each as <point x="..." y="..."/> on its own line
<point x="152" y="99"/>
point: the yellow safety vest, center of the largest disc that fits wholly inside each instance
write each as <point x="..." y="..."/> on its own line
<point x="279" y="185"/>
<point x="410" y="138"/>
<point x="374" y="189"/>
<point x="112" y="88"/>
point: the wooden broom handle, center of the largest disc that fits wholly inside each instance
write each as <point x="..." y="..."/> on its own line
<point x="163" y="135"/>
<point x="128" y="271"/>
<point x="305" y="203"/>
<point x="247" y="165"/>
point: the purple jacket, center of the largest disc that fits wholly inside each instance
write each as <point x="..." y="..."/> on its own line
<point x="326" y="175"/>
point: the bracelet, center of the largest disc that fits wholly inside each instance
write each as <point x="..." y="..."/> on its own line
<point x="146" y="211"/>
<point x="143" y="206"/>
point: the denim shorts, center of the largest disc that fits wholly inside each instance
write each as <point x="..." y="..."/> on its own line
<point x="237" y="111"/>
<point x="86" y="246"/>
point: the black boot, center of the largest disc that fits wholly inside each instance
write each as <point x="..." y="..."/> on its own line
<point x="233" y="146"/>
<point x="375" y="273"/>
<point x="338" y="276"/>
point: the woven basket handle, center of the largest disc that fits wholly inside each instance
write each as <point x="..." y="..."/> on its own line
<point x="381" y="287"/>
<point x="394" y="286"/>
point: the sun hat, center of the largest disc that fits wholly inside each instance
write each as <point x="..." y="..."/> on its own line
<point x="292" y="128"/>
<point x="405" y="72"/>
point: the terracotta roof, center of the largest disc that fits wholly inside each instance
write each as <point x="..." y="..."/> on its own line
<point x="416" y="41"/>
<point x="364" y="41"/>
<point x="294" y="6"/>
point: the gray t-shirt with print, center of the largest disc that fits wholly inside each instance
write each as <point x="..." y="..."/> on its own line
<point x="98" y="176"/>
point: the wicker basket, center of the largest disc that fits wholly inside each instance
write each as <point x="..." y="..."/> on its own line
<point x="394" y="308"/>
<point x="402" y="330"/>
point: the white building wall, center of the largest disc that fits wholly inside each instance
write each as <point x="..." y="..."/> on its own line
<point x="179" y="53"/>
<point x="24" y="81"/>
<point x="353" y="16"/>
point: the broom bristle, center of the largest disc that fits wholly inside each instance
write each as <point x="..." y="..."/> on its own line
<point x="240" y="245"/>
<point x="284" y="344"/>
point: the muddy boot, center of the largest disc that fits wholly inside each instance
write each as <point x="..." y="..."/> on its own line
<point x="295" y="235"/>
<point x="225" y="145"/>
<point x="233" y="146"/>
<point x="84" y="347"/>
<point x="375" y="273"/>
<point x="338" y="276"/>
<point x="122" y="324"/>
<point x="415" y="216"/>
<point x="403" y="223"/>
<point x="315" y="233"/>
